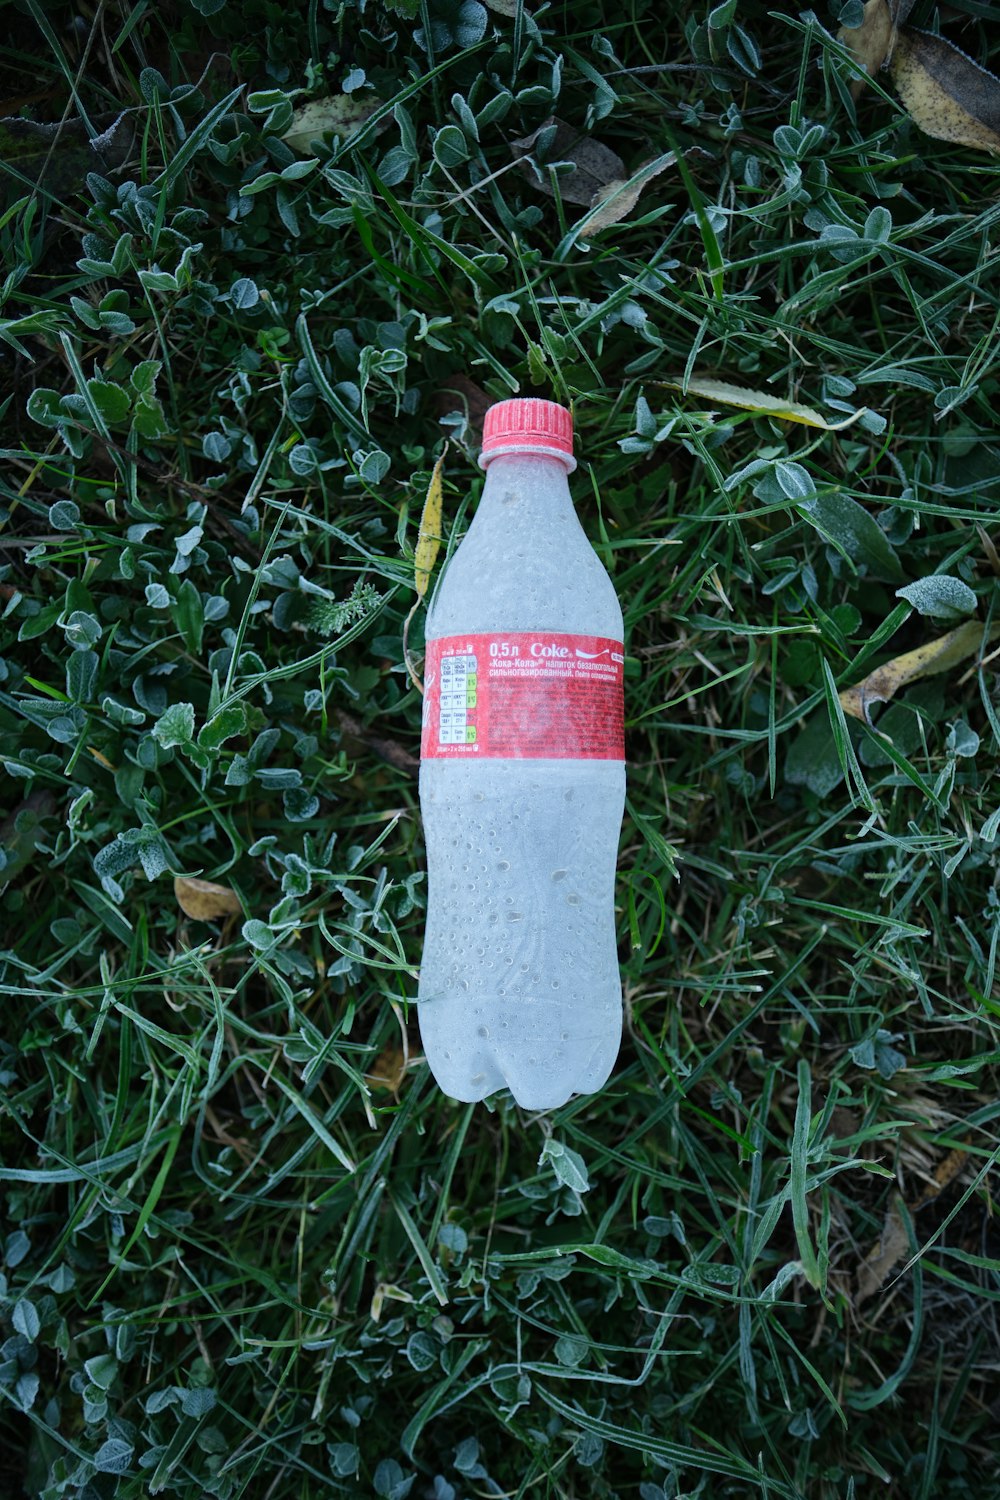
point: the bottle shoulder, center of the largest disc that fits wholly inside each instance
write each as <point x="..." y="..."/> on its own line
<point x="521" y="585"/>
<point x="525" y="563"/>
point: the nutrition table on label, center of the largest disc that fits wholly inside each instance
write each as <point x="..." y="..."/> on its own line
<point x="459" y="679"/>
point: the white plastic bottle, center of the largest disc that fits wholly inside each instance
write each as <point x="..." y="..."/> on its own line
<point x="522" y="784"/>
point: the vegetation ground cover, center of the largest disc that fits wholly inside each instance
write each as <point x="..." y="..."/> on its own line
<point x="249" y="1249"/>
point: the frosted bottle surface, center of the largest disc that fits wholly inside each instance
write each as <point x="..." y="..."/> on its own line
<point x="522" y="790"/>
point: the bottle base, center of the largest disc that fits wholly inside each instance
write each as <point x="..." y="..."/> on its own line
<point x="534" y="1086"/>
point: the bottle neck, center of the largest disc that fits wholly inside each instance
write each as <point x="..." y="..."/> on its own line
<point x="527" y="479"/>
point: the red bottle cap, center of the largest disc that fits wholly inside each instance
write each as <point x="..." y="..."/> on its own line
<point x="528" y="426"/>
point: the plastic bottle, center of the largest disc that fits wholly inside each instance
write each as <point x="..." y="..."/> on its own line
<point x="522" y="784"/>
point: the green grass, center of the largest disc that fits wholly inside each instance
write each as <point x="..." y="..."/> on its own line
<point x="231" y="1265"/>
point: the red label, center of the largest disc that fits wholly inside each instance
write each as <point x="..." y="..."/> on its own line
<point x="525" y="694"/>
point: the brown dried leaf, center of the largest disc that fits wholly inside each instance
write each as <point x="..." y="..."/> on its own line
<point x="388" y="750"/>
<point x="598" y="179"/>
<point x="203" y="900"/>
<point x="948" y="95"/>
<point x="926" y="661"/>
<point x="884" y="1257"/>
<point x="595" y="167"/>
<point x="894" y="1243"/>
<point x="462" y="392"/>
<point x="389" y="1069"/>
<point x="239" y="1143"/>
<point x="992" y="557"/>
<point x="944" y="1175"/>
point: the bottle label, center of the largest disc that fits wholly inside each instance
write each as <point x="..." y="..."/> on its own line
<point x="524" y="695"/>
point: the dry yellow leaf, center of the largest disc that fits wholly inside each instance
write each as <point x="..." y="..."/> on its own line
<point x="336" y="114"/>
<point x="926" y="661"/>
<point x="203" y="900"/>
<point x="759" y="401"/>
<point x="872" y="43"/>
<point x="384" y="1291"/>
<point x="948" y="95"/>
<point x="618" y="198"/>
<point x="429" y="534"/>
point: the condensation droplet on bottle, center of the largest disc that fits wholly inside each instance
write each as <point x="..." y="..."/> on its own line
<point x="559" y="874"/>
